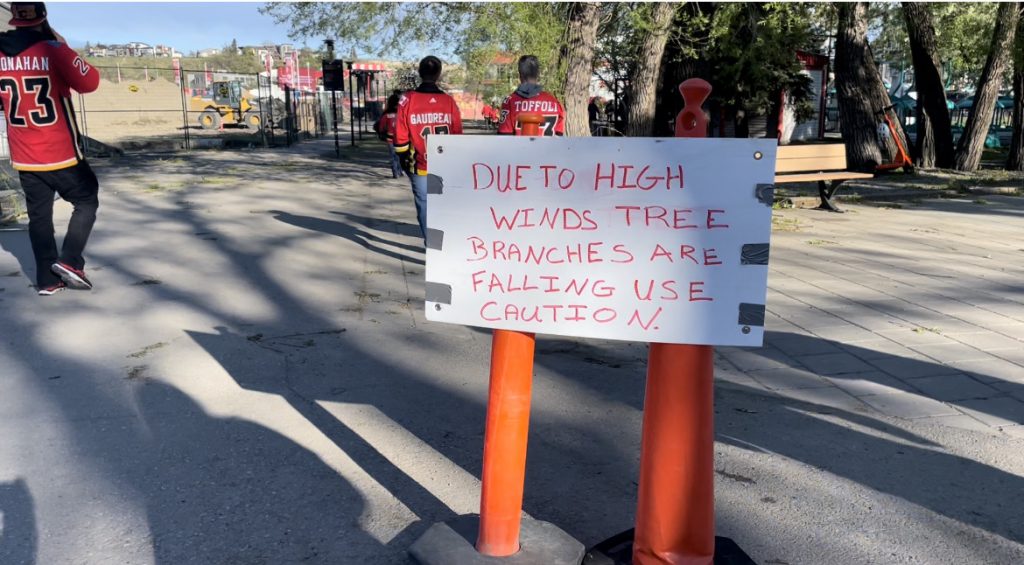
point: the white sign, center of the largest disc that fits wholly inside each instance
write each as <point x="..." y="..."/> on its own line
<point x="656" y="240"/>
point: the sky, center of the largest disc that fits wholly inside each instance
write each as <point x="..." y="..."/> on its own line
<point x="185" y="26"/>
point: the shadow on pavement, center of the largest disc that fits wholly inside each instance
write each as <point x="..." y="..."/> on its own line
<point x="225" y="490"/>
<point x="887" y="460"/>
<point x="213" y="490"/>
<point x="851" y="444"/>
<point x="354" y="234"/>
<point x="874" y="375"/>
<point x="18" y="535"/>
<point x="403" y="228"/>
<point x="17" y="244"/>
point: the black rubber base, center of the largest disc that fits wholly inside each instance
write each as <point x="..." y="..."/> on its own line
<point x="618" y="550"/>
<point x="453" y="543"/>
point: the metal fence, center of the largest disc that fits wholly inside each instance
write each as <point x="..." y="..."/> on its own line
<point x="153" y="109"/>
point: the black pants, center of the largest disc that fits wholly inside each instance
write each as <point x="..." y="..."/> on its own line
<point x="76" y="185"/>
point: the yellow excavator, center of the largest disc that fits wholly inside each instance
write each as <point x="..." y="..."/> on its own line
<point x="225" y="104"/>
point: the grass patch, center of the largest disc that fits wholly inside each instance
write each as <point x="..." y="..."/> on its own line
<point x="922" y="329"/>
<point x="980" y="201"/>
<point x="785" y="224"/>
<point x="160" y="187"/>
<point x="821" y="242"/>
<point x="367" y="297"/>
<point x="285" y="165"/>
<point x="214" y="180"/>
<point x="958" y="186"/>
<point x="137" y="373"/>
<point x="147" y="350"/>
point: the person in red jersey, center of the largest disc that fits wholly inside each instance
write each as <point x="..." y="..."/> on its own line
<point x="385" y="128"/>
<point x="38" y="71"/>
<point x="422" y="112"/>
<point x="530" y="97"/>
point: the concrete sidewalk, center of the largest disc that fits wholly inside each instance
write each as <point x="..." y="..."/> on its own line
<point x="253" y="382"/>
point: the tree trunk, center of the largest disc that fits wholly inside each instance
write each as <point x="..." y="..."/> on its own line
<point x="772" y="120"/>
<point x="1015" y="161"/>
<point x="643" y="88"/>
<point x="859" y="89"/>
<point x="972" y="141"/>
<point x="934" y="131"/>
<point x="925" y="150"/>
<point x="679" y="67"/>
<point x="577" y="56"/>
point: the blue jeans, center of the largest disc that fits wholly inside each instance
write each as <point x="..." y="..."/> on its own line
<point x="396" y="165"/>
<point x="419" y="193"/>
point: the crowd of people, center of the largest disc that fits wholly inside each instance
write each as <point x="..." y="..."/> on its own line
<point x="410" y="117"/>
<point x="46" y="149"/>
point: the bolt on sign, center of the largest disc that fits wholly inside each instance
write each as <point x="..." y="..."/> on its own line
<point x="644" y="239"/>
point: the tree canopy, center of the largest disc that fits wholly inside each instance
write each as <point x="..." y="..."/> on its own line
<point x="748" y="51"/>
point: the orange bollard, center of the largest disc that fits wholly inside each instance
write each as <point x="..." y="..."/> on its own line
<point x="505" y="439"/>
<point x="529" y="123"/>
<point x="675" y="517"/>
<point x="675" y="521"/>
<point x="507" y="429"/>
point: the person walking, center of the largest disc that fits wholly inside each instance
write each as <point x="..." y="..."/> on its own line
<point x="385" y="128"/>
<point x="37" y="73"/>
<point x="426" y="110"/>
<point x="531" y="97"/>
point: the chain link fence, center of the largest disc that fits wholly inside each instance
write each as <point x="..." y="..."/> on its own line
<point x="147" y="109"/>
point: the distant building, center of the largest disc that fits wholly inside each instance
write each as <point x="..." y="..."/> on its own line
<point x="132" y="49"/>
<point x="208" y="52"/>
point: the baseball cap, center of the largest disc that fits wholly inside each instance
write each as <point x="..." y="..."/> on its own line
<point x="27" y="14"/>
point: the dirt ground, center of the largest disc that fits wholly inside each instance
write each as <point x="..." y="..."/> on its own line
<point x="140" y="114"/>
<point x="131" y="109"/>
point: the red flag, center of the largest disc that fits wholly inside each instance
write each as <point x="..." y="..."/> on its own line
<point x="295" y="69"/>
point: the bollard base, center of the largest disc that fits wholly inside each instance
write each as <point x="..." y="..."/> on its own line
<point x="618" y="550"/>
<point x="453" y="543"/>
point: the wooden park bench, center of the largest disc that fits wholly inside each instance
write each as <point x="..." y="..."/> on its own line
<point x="824" y="163"/>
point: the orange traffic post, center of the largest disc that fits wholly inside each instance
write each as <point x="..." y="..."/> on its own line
<point x="675" y="521"/>
<point x="507" y="429"/>
<point x="505" y="438"/>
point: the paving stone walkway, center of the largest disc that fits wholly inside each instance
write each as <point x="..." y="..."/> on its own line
<point x="914" y="312"/>
<point x="253" y="381"/>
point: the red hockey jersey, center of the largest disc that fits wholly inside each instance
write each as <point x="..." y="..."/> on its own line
<point x="422" y="112"/>
<point x="390" y="122"/>
<point x="37" y="75"/>
<point x="543" y="103"/>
